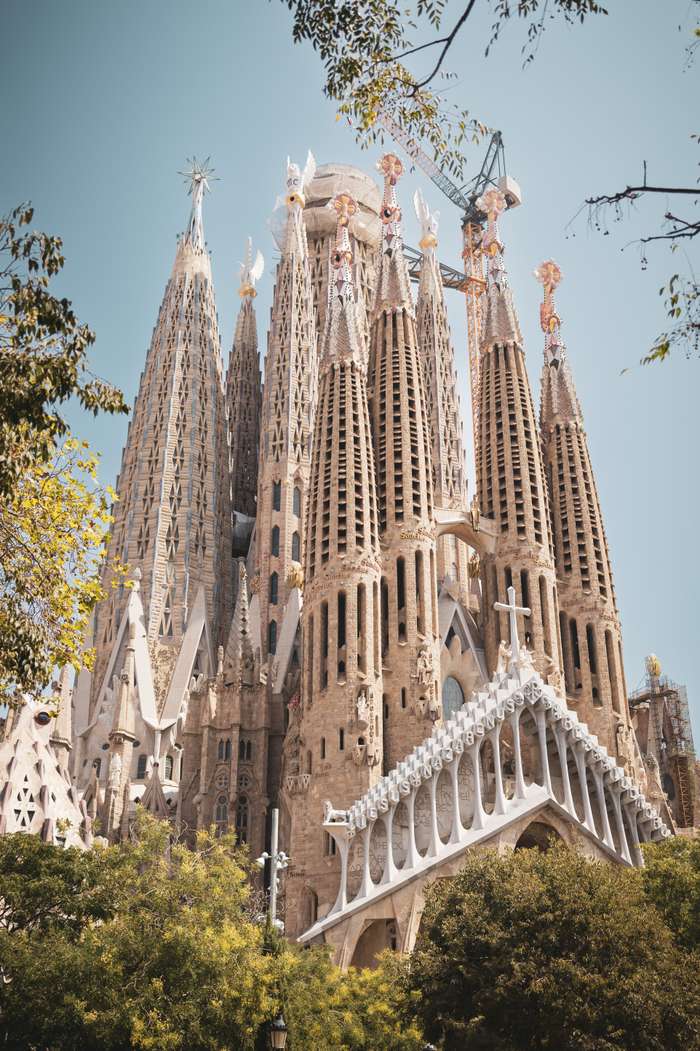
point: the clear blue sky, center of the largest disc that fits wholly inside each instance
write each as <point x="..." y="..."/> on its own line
<point x="103" y="102"/>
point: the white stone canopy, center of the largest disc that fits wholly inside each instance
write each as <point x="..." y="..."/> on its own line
<point x="528" y="750"/>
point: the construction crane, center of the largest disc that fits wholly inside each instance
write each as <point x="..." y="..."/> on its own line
<point x="473" y="281"/>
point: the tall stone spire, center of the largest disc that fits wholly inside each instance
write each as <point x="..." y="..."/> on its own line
<point x="441" y="398"/>
<point x="589" y="621"/>
<point x="173" y="516"/>
<point x="511" y="480"/>
<point x="402" y="452"/>
<point x="334" y="743"/>
<point x="285" y="449"/>
<point x="244" y="393"/>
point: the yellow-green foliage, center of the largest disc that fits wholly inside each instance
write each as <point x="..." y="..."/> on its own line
<point x="53" y="528"/>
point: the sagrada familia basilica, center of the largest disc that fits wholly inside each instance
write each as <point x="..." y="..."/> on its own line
<point x="319" y="617"/>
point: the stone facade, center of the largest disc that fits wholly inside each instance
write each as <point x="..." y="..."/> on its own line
<point x="303" y="614"/>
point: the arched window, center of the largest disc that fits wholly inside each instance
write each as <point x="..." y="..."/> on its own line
<point x="249" y="749"/>
<point x="273" y="588"/>
<point x="296" y="548"/>
<point x="227" y="748"/>
<point x="296" y="501"/>
<point x="276" y="496"/>
<point x="275" y="541"/>
<point x="272" y="637"/>
<point x="168" y="768"/>
<point x="221" y="813"/>
<point x="97" y="763"/>
<point x="242" y="819"/>
<point x="245" y="749"/>
<point x="220" y="750"/>
<point x="141" y="766"/>
<point x="452" y="697"/>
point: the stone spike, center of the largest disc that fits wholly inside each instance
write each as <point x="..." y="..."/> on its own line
<point x="512" y="487"/>
<point x="585" y="585"/>
<point x="63" y="726"/>
<point x="124" y="722"/>
<point x="244" y="403"/>
<point x="289" y="399"/>
<point x="239" y="642"/>
<point x="173" y="515"/>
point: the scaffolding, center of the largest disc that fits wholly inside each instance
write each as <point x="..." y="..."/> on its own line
<point x="670" y="735"/>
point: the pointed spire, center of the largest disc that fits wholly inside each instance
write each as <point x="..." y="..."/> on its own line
<point x="439" y="374"/>
<point x="239" y="641"/>
<point x="243" y="391"/>
<point x="393" y="290"/>
<point x="197" y="176"/>
<point x="124" y="724"/>
<point x="500" y="321"/>
<point x="250" y="272"/>
<point x="153" y="799"/>
<point x="559" y="397"/>
<point x="62" y="731"/>
<point x="293" y="240"/>
<point x="342" y="337"/>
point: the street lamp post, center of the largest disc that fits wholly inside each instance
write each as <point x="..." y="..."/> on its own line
<point x="278" y="862"/>
<point x="278" y="1033"/>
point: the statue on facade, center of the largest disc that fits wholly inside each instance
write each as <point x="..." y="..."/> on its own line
<point x="363" y="707"/>
<point x="424" y="666"/>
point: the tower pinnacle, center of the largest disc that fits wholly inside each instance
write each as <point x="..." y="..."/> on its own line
<point x="500" y="321"/>
<point x="558" y="393"/>
<point x="197" y="177"/>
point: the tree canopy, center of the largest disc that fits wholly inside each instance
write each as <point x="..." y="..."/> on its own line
<point x="529" y="950"/>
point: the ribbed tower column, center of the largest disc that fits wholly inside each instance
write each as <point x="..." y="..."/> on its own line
<point x="442" y="400"/>
<point x="173" y="516"/>
<point x="288" y="404"/>
<point x="589" y="621"/>
<point x="244" y="393"/>
<point x="512" y="488"/>
<point x="401" y="430"/>
<point x="335" y="738"/>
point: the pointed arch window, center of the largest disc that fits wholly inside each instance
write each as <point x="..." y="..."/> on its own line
<point x="242" y="814"/>
<point x="274" y="581"/>
<point x="272" y="637"/>
<point x="296" y="547"/>
<point x="275" y="541"/>
<point x="221" y="813"/>
<point x="296" y="501"/>
<point x="168" y="768"/>
<point x="276" y="496"/>
<point x="220" y="749"/>
<point x="227" y="748"/>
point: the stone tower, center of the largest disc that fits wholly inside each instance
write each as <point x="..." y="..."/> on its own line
<point x="334" y="741"/>
<point x="401" y="434"/>
<point x="244" y="394"/>
<point x="589" y="623"/>
<point x="511" y="480"/>
<point x="325" y="181"/>
<point x="285" y="448"/>
<point x="441" y="398"/>
<point x="172" y="524"/>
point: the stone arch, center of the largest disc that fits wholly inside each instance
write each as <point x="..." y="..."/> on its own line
<point x="377" y="936"/>
<point x="400" y="835"/>
<point x="538" y="835"/>
<point x="465" y="788"/>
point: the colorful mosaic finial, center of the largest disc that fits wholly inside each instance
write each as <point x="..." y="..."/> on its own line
<point x="391" y="168"/>
<point x="345" y="207"/>
<point x="549" y="275"/>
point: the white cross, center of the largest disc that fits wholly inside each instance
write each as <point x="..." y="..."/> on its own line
<point x="513" y="610"/>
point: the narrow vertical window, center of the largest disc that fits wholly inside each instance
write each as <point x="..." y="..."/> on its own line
<point x="296" y="501"/>
<point x="420" y="594"/>
<point x="324" y="645"/>
<point x="296" y="547"/>
<point x="272" y="637"/>
<point x="275" y="541"/>
<point x="274" y="580"/>
<point x="276" y="496"/>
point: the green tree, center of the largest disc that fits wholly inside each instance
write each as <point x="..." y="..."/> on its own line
<point x="671" y="878"/>
<point x="43" y="352"/>
<point x="529" y="950"/>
